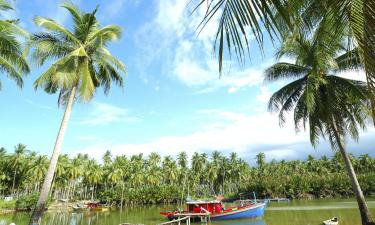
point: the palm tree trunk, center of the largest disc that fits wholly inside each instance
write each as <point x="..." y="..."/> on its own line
<point x="39" y="209"/>
<point x="363" y="209"/>
<point x="122" y="194"/>
<point x="14" y="182"/>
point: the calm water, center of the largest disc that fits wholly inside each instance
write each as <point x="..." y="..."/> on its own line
<point x="293" y="213"/>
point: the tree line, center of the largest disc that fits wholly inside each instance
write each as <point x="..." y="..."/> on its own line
<point x="151" y="179"/>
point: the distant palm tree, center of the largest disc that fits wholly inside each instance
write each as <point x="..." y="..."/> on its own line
<point x="12" y="61"/>
<point x="82" y="64"/>
<point x="331" y="106"/>
<point x="16" y="161"/>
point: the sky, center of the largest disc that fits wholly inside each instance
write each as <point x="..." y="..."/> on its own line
<point x="173" y="99"/>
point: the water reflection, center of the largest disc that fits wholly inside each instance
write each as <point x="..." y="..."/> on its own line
<point x="240" y="222"/>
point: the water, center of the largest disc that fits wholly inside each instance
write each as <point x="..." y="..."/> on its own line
<point x="294" y="213"/>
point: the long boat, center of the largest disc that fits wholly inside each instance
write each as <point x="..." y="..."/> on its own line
<point x="215" y="210"/>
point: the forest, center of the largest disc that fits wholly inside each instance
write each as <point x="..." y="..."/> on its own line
<point x="152" y="179"/>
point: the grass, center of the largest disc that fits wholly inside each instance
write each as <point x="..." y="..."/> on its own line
<point x="8" y="204"/>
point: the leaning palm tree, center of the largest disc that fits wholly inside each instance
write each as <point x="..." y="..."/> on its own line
<point x="12" y="61"/>
<point x="82" y="63"/>
<point x="330" y="106"/>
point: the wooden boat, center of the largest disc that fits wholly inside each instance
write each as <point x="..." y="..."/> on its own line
<point x="215" y="210"/>
<point x="97" y="207"/>
<point x="333" y="221"/>
<point x="80" y="207"/>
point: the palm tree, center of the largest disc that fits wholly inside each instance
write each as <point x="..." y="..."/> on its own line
<point x="82" y="64"/>
<point x="12" y="61"/>
<point x="333" y="107"/>
<point x="38" y="170"/>
<point x="16" y="161"/>
<point x="240" y="20"/>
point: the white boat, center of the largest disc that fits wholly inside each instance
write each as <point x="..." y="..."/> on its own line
<point x="333" y="221"/>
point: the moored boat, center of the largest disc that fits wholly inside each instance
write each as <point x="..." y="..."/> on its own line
<point x="215" y="210"/>
<point x="80" y="207"/>
<point x="97" y="207"/>
<point x="333" y="221"/>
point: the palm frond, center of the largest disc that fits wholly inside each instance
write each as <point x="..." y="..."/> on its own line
<point x="348" y="61"/>
<point x="4" y="5"/>
<point x="87" y="87"/>
<point x="51" y="25"/>
<point x="238" y="20"/>
<point x="11" y="71"/>
<point x="283" y="70"/>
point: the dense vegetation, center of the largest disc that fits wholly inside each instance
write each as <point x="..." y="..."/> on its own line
<point x="156" y="179"/>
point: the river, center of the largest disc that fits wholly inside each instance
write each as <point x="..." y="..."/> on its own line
<point x="308" y="212"/>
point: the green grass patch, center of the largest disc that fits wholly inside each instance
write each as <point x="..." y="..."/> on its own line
<point x="8" y="204"/>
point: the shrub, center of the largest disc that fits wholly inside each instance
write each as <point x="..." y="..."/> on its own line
<point x="28" y="202"/>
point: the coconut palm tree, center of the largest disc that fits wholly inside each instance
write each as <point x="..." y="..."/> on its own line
<point x="241" y="20"/>
<point x="82" y="63"/>
<point x="38" y="170"/>
<point x="12" y="61"/>
<point x="331" y="106"/>
<point x="16" y="161"/>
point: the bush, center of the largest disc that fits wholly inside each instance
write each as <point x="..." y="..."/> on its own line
<point x="28" y="202"/>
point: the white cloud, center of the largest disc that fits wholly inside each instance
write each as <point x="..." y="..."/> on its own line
<point x="113" y="8"/>
<point x="187" y="56"/>
<point x="102" y="114"/>
<point x="31" y="102"/>
<point x="264" y="95"/>
<point x="354" y="75"/>
<point x="234" y="132"/>
<point x="246" y="134"/>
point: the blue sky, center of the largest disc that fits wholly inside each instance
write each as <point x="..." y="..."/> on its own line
<point x="173" y="99"/>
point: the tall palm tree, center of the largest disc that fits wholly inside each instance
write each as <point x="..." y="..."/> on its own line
<point x="12" y="61"/>
<point x="82" y="63"/>
<point x="16" y="161"/>
<point x="240" y="20"/>
<point x="331" y="106"/>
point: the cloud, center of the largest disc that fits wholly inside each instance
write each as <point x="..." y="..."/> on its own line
<point x="244" y="133"/>
<point x="229" y="132"/>
<point x="31" y="102"/>
<point x="103" y="113"/>
<point x="264" y="95"/>
<point x="188" y="57"/>
<point x="113" y="8"/>
<point x="354" y="75"/>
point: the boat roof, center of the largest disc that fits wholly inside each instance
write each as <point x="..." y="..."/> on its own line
<point x="203" y="202"/>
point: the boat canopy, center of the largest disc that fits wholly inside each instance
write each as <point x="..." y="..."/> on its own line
<point x="203" y="202"/>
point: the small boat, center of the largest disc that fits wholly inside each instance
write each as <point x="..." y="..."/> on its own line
<point x="215" y="210"/>
<point x="96" y="207"/>
<point x="80" y="207"/>
<point x="333" y="221"/>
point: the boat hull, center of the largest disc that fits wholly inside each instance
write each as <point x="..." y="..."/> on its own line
<point x="253" y="211"/>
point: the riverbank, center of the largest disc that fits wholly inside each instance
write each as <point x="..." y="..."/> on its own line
<point x="9" y="207"/>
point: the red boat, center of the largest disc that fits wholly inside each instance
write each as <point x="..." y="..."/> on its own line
<point x="216" y="211"/>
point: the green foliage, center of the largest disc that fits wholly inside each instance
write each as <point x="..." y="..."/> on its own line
<point x="156" y="179"/>
<point x="7" y="204"/>
<point x="27" y="202"/>
<point x="80" y="56"/>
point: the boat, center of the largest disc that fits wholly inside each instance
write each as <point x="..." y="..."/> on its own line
<point x="96" y="207"/>
<point x="333" y="221"/>
<point x="80" y="207"/>
<point x="214" y="210"/>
